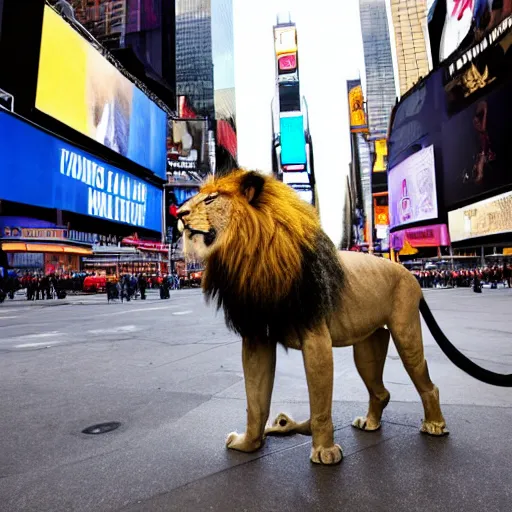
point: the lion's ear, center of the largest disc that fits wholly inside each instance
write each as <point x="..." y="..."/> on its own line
<point x="252" y="185"/>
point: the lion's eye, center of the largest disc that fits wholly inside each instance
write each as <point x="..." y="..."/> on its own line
<point x="211" y="198"/>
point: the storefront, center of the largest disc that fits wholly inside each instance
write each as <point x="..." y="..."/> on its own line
<point x="132" y="256"/>
<point x="34" y="245"/>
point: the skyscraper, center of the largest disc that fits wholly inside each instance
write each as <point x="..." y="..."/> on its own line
<point x="380" y="79"/>
<point x="194" y="55"/>
<point x="411" y="38"/>
<point x="223" y="49"/>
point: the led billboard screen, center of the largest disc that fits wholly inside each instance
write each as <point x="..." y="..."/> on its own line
<point x="490" y="217"/>
<point x="187" y="145"/>
<point x="293" y="140"/>
<point x="358" y="121"/>
<point x="55" y="174"/>
<point x="412" y="189"/>
<point x="285" y="39"/>
<point x="477" y="154"/>
<point x="82" y="89"/>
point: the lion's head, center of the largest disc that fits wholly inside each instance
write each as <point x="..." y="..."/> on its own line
<point x="260" y="243"/>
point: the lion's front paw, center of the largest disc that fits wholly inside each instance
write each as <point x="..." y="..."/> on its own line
<point x="328" y="456"/>
<point x="240" y="442"/>
<point x="434" y="428"/>
<point x="366" y="424"/>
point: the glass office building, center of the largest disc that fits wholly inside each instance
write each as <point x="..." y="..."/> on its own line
<point x="223" y="46"/>
<point x="380" y="79"/>
<point x="194" y="55"/>
<point x="411" y="41"/>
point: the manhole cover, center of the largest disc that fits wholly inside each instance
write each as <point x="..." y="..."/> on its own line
<point x="101" y="428"/>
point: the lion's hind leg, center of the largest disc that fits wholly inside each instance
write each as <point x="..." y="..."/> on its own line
<point x="284" y="425"/>
<point x="405" y="329"/>
<point x="370" y="356"/>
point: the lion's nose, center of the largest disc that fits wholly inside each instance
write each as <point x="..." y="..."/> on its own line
<point x="182" y="213"/>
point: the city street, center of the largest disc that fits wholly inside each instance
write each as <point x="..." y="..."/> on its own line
<point x="171" y="374"/>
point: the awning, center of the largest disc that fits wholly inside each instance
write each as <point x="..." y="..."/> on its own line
<point x="46" y="248"/>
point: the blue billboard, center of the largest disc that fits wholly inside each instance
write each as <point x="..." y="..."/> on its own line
<point x="293" y="140"/>
<point x="41" y="170"/>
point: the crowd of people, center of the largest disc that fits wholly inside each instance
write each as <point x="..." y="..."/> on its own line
<point x="39" y="286"/>
<point x="464" y="278"/>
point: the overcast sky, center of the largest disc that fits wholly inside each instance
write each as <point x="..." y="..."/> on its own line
<point x="330" y="53"/>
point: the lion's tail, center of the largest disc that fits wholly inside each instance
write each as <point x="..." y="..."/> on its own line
<point x="457" y="357"/>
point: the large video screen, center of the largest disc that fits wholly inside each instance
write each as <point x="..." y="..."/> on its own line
<point x="187" y="145"/>
<point x="477" y="152"/>
<point x="79" y="87"/>
<point x="293" y="140"/>
<point x="412" y="189"/>
<point x="54" y="174"/>
<point x="490" y="217"/>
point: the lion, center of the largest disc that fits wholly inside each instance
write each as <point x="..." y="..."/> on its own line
<point x="280" y="279"/>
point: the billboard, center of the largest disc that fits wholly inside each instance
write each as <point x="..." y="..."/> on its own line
<point x="477" y="153"/>
<point x="55" y="174"/>
<point x="489" y="217"/>
<point x="426" y="236"/>
<point x="358" y="121"/>
<point x="381" y="156"/>
<point x="455" y="25"/>
<point x="412" y="189"/>
<point x="285" y="39"/>
<point x="477" y="71"/>
<point x="187" y="145"/>
<point x="293" y="140"/>
<point x="79" y="87"/>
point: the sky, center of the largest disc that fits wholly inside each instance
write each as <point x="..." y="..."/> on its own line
<point x="222" y="44"/>
<point x="330" y="53"/>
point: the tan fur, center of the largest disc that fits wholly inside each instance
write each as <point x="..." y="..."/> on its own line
<point x="249" y="233"/>
<point x="378" y="298"/>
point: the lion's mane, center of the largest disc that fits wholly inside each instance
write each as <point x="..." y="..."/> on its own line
<point x="274" y="271"/>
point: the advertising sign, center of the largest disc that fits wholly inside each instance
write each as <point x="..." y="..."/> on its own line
<point x="479" y="69"/>
<point x="82" y="89"/>
<point x="293" y="140"/>
<point x="358" y="121"/>
<point x="187" y="145"/>
<point x="54" y="174"/>
<point x="466" y="23"/>
<point x="381" y="156"/>
<point x="285" y="39"/>
<point x="412" y="189"/>
<point x="477" y="153"/>
<point x="459" y="15"/>
<point x="490" y="217"/>
<point x="426" y="236"/>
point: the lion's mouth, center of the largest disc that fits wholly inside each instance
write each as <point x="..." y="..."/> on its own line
<point x="208" y="236"/>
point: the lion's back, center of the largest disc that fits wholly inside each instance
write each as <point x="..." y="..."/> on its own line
<point x="373" y="284"/>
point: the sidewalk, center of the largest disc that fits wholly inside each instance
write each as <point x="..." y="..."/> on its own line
<point x="171" y="374"/>
<point x="83" y="299"/>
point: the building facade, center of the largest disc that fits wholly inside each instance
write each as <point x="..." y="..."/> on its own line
<point x="411" y="41"/>
<point x="194" y="55"/>
<point x="100" y="166"/>
<point x="380" y="79"/>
